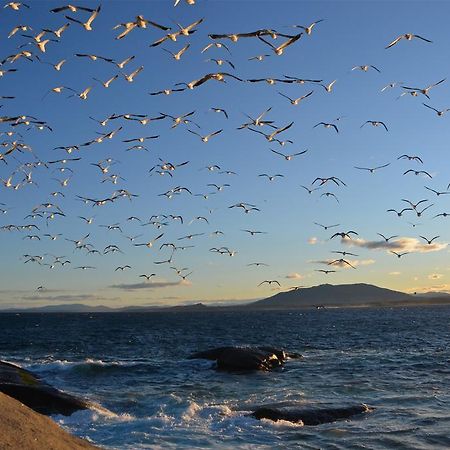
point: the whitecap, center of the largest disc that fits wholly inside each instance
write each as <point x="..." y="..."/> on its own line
<point x="283" y="423"/>
<point x="191" y="411"/>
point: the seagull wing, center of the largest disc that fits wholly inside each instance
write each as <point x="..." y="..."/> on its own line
<point x="93" y="16"/>
<point x="206" y="48"/>
<point x="439" y="82"/>
<point x="183" y="50"/>
<point x="307" y="95"/>
<point x="193" y="25"/>
<point x="157" y="25"/>
<point x="127" y="30"/>
<point x="280" y="130"/>
<point x="159" y="41"/>
<point x="394" y="41"/>
<point x="266" y="42"/>
<point x="194" y="132"/>
<point x="278" y="153"/>
<point x="430" y="107"/>
<point x="289" y="42"/>
<point x="423" y="39"/>
<point x="73" y="20"/>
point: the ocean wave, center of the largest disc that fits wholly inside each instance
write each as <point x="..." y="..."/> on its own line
<point x="215" y="417"/>
<point x="95" y="413"/>
<point x="283" y="423"/>
<point x="89" y="366"/>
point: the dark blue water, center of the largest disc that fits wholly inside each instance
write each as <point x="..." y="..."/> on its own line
<point x="135" y="365"/>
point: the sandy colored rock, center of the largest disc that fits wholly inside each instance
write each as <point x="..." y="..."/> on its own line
<point x="22" y="428"/>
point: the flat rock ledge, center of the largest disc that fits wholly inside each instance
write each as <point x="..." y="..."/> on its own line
<point x="28" y="389"/>
<point x="23" y="428"/>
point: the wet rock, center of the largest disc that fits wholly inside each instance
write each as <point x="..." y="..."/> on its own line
<point x="244" y="358"/>
<point x="212" y="354"/>
<point x="36" y="394"/>
<point x="310" y="416"/>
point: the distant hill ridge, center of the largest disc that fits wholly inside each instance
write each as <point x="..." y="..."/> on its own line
<point x="333" y="295"/>
<point x="358" y="294"/>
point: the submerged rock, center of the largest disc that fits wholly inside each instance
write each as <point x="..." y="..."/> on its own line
<point x="310" y="416"/>
<point x="36" y="394"/>
<point x="245" y="358"/>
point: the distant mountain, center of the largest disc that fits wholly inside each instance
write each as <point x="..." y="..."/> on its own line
<point x="360" y="294"/>
<point x="334" y="295"/>
<point x="194" y="307"/>
<point x="80" y="308"/>
<point x="73" y="307"/>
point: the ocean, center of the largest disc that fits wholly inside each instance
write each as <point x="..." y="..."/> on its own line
<point x="136" y="365"/>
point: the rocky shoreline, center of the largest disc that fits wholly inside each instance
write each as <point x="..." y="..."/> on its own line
<point x="27" y="388"/>
<point x="24" y="397"/>
<point x="23" y="428"/>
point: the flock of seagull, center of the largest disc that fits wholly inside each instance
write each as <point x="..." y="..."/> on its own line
<point x="19" y="161"/>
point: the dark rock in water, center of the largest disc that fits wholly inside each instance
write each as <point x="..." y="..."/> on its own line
<point x="279" y="353"/>
<point x="34" y="393"/>
<point x="212" y="354"/>
<point x="245" y="358"/>
<point x="310" y="416"/>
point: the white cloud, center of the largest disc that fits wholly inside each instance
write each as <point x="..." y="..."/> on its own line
<point x="61" y="298"/>
<point x="402" y="244"/>
<point x="435" y="276"/>
<point x="294" y="276"/>
<point x="363" y="262"/>
<point x="151" y="285"/>
<point x="433" y="288"/>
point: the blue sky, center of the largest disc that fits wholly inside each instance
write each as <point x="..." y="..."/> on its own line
<point x="352" y="34"/>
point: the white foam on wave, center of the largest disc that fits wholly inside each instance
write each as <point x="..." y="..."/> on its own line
<point x="103" y="413"/>
<point x="172" y="420"/>
<point x="173" y="423"/>
<point x="94" y="414"/>
<point x="66" y="365"/>
<point x="100" y="362"/>
<point x="50" y="364"/>
<point x="206" y="412"/>
<point x="161" y="420"/>
<point x="191" y="412"/>
<point x="221" y="416"/>
<point x="282" y="423"/>
<point x="82" y="418"/>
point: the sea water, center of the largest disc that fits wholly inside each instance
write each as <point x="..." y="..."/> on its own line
<point x="135" y="367"/>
